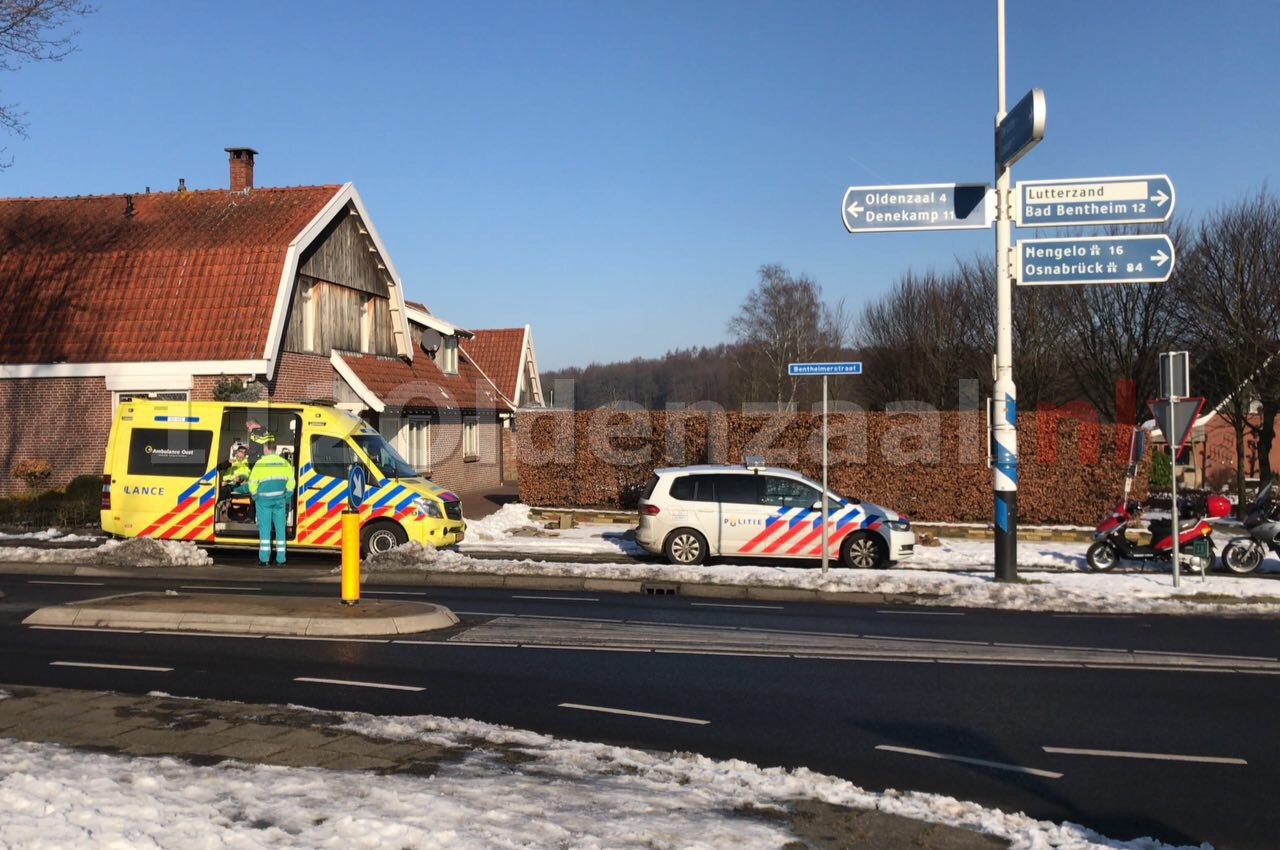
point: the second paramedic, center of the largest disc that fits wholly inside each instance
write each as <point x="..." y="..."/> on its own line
<point x="271" y="485"/>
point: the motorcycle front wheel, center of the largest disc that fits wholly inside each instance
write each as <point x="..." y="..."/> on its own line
<point x="1102" y="556"/>
<point x="1241" y="558"/>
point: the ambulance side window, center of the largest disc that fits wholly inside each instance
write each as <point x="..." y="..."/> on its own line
<point x="171" y="452"/>
<point x="331" y="456"/>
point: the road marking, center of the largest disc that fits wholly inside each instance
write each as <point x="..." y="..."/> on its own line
<point x="1140" y="652"/>
<point x="340" y="639"/>
<point x="77" y="583"/>
<point x="925" y="640"/>
<point x="559" y="598"/>
<point x="485" y="613"/>
<point x="925" y="613"/>
<point x="86" y="629"/>
<point x="111" y="666"/>
<point x="1126" y="754"/>
<point x="732" y="605"/>
<point x="1016" y="768"/>
<point x="456" y="643"/>
<point x="359" y="684"/>
<point x="583" y="648"/>
<point x="214" y="587"/>
<point x="397" y="592"/>
<point x="1061" y="646"/>
<point x="673" y="718"/>
<point x="193" y="633"/>
<point x="1093" y="616"/>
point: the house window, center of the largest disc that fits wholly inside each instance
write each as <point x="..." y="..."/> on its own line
<point x="126" y="396"/>
<point x="470" y="438"/>
<point x="417" y="442"/>
<point x="449" y="356"/>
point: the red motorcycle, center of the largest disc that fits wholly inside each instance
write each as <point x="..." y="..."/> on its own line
<point x="1113" y="545"/>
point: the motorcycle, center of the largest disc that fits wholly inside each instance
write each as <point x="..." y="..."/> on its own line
<point x="1243" y="555"/>
<point x="1112" y="545"/>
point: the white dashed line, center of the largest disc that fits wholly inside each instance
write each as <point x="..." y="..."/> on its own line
<point x="214" y="587"/>
<point x="1015" y="768"/>
<point x="397" y="592"/>
<point x="111" y="666"/>
<point x="75" y="583"/>
<point x="86" y="629"/>
<point x="673" y="718"/>
<point x="925" y="613"/>
<point x="1126" y="754"/>
<point x="330" y="639"/>
<point x="192" y="633"/>
<point x="358" y="684"/>
<point x="732" y="605"/>
<point x="559" y="598"/>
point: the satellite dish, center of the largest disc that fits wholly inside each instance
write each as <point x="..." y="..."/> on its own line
<point x="431" y="341"/>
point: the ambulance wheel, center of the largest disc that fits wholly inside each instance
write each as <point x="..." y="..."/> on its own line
<point x="685" y="547"/>
<point x="1102" y="557"/>
<point x="864" y="551"/>
<point x="379" y="537"/>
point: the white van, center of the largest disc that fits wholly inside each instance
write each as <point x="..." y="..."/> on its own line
<point x="692" y="513"/>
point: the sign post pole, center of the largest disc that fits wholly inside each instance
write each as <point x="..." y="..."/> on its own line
<point x="351" y="536"/>
<point x="1004" y="426"/>
<point x="825" y="511"/>
<point x="1173" y="470"/>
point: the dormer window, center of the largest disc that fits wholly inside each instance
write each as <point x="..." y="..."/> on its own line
<point x="448" y="356"/>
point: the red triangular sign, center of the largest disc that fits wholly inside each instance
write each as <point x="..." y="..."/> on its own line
<point x="1176" y="419"/>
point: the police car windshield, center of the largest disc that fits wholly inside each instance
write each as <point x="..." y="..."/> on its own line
<point x="387" y="459"/>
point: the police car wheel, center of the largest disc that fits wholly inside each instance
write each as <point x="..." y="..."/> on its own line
<point x="685" y="547"/>
<point x="864" y="551"/>
<point x="380" y="537"/>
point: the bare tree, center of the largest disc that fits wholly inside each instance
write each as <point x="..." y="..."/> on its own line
<point x="34" y="31"/>
<point x="1228" y="302"/>
<point x="783" y="320"/>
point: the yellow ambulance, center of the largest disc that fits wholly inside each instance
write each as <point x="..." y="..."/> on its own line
<point x="169" y="474"/>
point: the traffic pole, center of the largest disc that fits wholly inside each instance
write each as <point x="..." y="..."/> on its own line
<point x="825" y="513"/>
<point x="350" y="557"/>
<point x="1173" y="471"/>
<point x="1005" y="424"/>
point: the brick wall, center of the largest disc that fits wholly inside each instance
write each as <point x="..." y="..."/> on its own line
<point x="510" y="465"/>
<point x="450" y="469"/>
<point x="63" y="420"/>
<point x="298" y="377"/>
<point x="931" y="467"/>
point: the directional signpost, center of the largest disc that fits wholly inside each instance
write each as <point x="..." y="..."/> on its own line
<point x="1021" y="129"/>
<point x="924" y="206"/>
<point x="1093" y="200"/>
<point x="1176" y="416"/>
<point x="1094" y="259"/>
<point x="351" y="535"/>
<point x="825" y="370"/>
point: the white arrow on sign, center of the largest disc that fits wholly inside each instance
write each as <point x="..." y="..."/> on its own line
<point x="854" y="209"/>
<point x="1160" y="198"/>
<point x="1160" y="258"/>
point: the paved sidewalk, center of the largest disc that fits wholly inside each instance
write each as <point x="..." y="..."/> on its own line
<point x="208" y="732"/>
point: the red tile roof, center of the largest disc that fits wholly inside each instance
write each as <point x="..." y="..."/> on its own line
<point x="421" y="384"/>
<point x="498" y="351"/>
<point x="189" y="276"/>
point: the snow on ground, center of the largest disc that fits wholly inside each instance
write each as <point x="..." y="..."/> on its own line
<point x="51" y="535"/>
<point x="135" y="552"/>
<point x="559" y="794"/>
<point x="512" y="528"/>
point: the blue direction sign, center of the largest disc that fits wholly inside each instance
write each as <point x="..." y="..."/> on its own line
<point x="1021" y="129"/>
<point x="1095" y="259"/>
<point x="355" y="487"/>
<point x="854" y="368"/>
<point x="1094" y="200"/>
<point x="923" y="206"/>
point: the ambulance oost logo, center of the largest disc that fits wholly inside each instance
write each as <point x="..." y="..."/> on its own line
<point x="148" y="450"/>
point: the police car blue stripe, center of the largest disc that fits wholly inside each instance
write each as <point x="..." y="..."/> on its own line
<point x="319" y="497"/>
<point x="800" y="517"/>
<point x="777" y="517"/>
<point x="389" y="496"/>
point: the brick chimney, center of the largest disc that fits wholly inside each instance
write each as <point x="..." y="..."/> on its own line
<point x="241" y="160"/>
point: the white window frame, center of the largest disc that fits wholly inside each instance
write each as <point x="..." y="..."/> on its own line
<point x="470" y="438"/>
<point x="417" y="448"/>
<point x="449" y="355"/>
<point x="116" y="394"/>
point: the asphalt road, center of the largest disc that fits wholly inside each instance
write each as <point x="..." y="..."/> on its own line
<point x="1183" y="755"/>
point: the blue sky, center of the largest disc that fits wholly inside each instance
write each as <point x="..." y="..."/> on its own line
<point x="614" y="173"/>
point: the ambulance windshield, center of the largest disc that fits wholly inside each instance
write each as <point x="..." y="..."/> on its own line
<point x="387" y="459"/>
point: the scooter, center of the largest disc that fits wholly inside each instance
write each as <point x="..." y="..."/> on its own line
<point x="1243" y="555"/>
<point x="1112" y="545"/>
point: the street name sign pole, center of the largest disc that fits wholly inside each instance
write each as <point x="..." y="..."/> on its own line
<point x="825" y="370"/>
<point x="1176" y="416"/>
<point x="1148" y="199"/>
<point x="1095" y="259"/>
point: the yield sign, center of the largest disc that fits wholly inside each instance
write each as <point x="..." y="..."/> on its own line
<point x="1175" y="419"/>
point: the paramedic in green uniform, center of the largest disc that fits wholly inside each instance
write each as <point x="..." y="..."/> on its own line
<point x="271" y="485"/>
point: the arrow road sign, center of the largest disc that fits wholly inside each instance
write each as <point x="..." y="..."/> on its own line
<point x="1021" y="130"/>
<point x="355" y="487"/>
<point x="923" y="206"/>
<point x="854" y="368"/>
<point x="1176" y="419"/>
<point x="1094" y="259"/>
<point x="1094" y="200"/>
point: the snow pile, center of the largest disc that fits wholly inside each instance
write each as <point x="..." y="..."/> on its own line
<point x="512" y="529"/>
<point x="559" y="793"/>
<point x="134" y="552"/>
<point x="499" y="525"/>
<point x="51" y="534"/>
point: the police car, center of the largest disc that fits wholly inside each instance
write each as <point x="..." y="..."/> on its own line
<point x="692" y="513"/>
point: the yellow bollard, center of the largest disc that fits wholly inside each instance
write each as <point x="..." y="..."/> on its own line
<point x="350" y="557"/>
